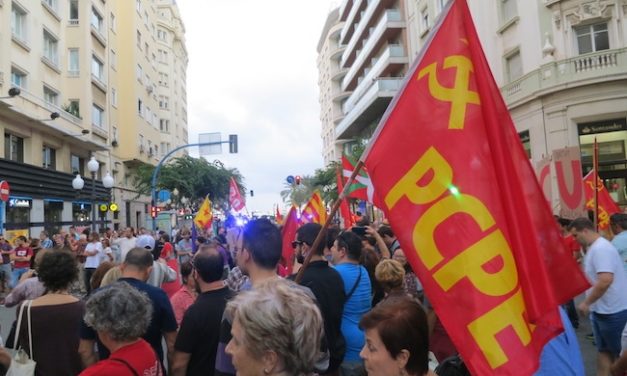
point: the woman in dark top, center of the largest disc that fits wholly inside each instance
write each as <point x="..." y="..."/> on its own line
<point x="55" y="318"/>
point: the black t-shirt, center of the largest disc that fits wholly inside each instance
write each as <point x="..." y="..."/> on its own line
<point x="328" y="287"/>
<point x="200" y="331"/>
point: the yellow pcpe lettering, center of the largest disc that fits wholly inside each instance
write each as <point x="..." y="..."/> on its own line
<point x="408" y="184"/>
<point x="485" y="328"/>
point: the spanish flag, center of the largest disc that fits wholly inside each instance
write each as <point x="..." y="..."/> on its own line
<point x="204" y="216"/>
<point x="314" y="211"/>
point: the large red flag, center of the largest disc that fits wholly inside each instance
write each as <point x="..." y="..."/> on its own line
<point x="606" y="204"/>
<point x="235" y="198"/>
<point x="288" y="234"/>
<point x="459" y="191"/>
<point x="345" y="211"/>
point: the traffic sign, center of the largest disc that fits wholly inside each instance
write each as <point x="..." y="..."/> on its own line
<point x="4" y="190"/>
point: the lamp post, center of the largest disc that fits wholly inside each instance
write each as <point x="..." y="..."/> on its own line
<point x="78" y="183"/>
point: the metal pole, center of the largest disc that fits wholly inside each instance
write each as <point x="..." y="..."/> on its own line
<point x="155" y="173"/>
<point x="93" y="202"/>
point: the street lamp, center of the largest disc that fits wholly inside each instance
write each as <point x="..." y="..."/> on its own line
<point x="93" y="167"/>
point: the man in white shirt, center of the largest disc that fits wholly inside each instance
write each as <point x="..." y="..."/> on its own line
<point x="606" y="300"/>
<point x="125" y="243"/>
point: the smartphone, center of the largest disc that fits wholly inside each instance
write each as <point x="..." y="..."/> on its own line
<point x="359" y="230"/>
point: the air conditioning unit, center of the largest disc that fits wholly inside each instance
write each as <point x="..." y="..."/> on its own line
<point x="142" y="148"/>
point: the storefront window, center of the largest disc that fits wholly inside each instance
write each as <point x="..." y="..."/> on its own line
<point x="525" y="140"/>
<point x="81" y="212"/>
<point x="18" y="213"/>
<point x="52" y="216"/>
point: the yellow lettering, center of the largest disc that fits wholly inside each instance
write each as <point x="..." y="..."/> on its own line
<point x="459" y="95"/>
<point x="507" y="314"/>
<point x="408" y="184"/>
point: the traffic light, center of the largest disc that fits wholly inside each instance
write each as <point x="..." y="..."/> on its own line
<point x="252" y="193"/>
<point x="154" y="211"/>
<point x="233" y="143"/>
<point x="297" y="179"/>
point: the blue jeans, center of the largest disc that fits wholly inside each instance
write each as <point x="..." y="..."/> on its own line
<point x="607" y="330"/>
<point x="15" y="276"/>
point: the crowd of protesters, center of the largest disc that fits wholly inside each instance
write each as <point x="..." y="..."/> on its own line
<point x="106" y="303"/>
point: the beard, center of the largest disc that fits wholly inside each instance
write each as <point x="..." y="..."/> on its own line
<point x="300" y="258"/>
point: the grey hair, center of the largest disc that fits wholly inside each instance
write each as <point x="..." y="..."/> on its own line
<point x="279" y="316"/>
<point x="120" y="310"/>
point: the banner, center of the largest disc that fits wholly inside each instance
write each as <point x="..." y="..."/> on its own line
<point x="235" y="198"/>
<point x="606" y="205"/>
<point x="543" y="172"/>
<point x="458" y="189"/>
<point x="314" y="211"/>
<point x="204" y="216"/>
<point x="568" y="172"/>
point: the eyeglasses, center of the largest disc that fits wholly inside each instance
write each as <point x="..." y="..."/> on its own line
<point x="297" y="243"/>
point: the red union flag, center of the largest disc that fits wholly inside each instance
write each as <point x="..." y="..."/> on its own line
<point x="235" y="198"/>
<point x="606" y="206"/>
<point x="568" y="170"/>
<point x="458" y="189"/>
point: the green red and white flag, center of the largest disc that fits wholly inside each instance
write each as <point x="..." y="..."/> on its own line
<point x="362" y="187"/>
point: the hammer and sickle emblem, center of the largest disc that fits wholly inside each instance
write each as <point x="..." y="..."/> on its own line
<point x="459" y="95"/>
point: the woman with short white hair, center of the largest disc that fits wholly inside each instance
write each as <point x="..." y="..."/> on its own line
<point x="277" y="329"/>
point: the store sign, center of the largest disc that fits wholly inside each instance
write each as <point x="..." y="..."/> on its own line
<point x="602" y="126"/>
<point x="19" y="203"/>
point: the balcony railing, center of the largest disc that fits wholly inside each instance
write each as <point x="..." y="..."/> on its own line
<point x="72" y="22"/>
<point x="360" y="29"/>
<point x="381" y="84"/>
<point x="596" y="66"/>
<point x="350" y="25"/>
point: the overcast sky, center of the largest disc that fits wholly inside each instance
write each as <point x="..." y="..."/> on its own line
<point x="252" y="72"/>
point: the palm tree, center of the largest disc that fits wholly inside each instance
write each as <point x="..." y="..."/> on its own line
<point x="298" y="194"/>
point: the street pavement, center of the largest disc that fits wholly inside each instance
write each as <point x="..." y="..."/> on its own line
<point x="7" y="315"/>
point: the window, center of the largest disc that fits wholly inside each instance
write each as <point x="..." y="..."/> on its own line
<point x="13" y="147"/>
<point x="441" y="4"/>
<point x="97" y="68"/>
<point x="140" y="108"/>
<point x="114" y="97"/>
<point x="513" y="66"/>
<point x="112" y="18"/>
<point x="18" y="22"/>
<point x="139" y="72"/>
<point x="114" y="59"/>
<point x="163" y="149"/>
<point x="97" y="116"/>
<point x="18" y="78"/>
<point x="162" y="35"/>
<point x="50" y="48"/>
<point x="73" y="11"/>
<point x="508" y="10"/>
<point x="164" y="125"/>
<point x="52" y="4"/>
<point x="49" y="158"/>
<point x="74" y="108"/>
<point x="424" y="19"/>
<point x="73" y="59"/>
<point x="138" y="5"/>
<point x="77" y="164"/>
<point x="139" y="39"/>
<point x="592" y="38"/>
<point x="96" y="20"/>
<point x="51" y="96"/>
<point x="163" y="102"/>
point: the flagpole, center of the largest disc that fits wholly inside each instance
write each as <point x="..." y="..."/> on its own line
<point x="334" y="208"/>
<point x="595" y="167"/>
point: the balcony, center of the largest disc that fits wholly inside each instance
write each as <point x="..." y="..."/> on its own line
<point x="388" y="27"/>
<point x="351" y="21"/>
<point x="97" y="81"/>
<point x="391" y="60"/>
<point x="344" y="9"/>
<point x="97" y="33"/>
<point x="580" y="70"/>
<point x="368" y="17"/>
<point x="368" y="108"/>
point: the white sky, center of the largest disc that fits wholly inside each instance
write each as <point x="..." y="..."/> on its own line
<point x="252" y="72"/>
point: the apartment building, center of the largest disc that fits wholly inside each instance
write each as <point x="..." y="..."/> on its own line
<point x="561" y="66"/>
<point x="77" y="64"/>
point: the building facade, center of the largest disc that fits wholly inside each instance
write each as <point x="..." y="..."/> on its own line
<point x="76" y="65"/>
<point x="561" y="66"/>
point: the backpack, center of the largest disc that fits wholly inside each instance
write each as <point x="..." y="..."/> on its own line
<point x="452" y="366"/>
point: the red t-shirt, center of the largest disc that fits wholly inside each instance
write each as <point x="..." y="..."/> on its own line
<point x="572" y="245"/>
<point x="139" y="355"/>
<point x="22" y="252"/>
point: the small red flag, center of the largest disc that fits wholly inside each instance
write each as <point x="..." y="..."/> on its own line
<point x="344" y="209"/>
<point x="606" y="204"/>
<point x="288" y="234"/>
<point x="458" y="189"/>
<point x="278" y="217"/>
<point x="235" y="198"/>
